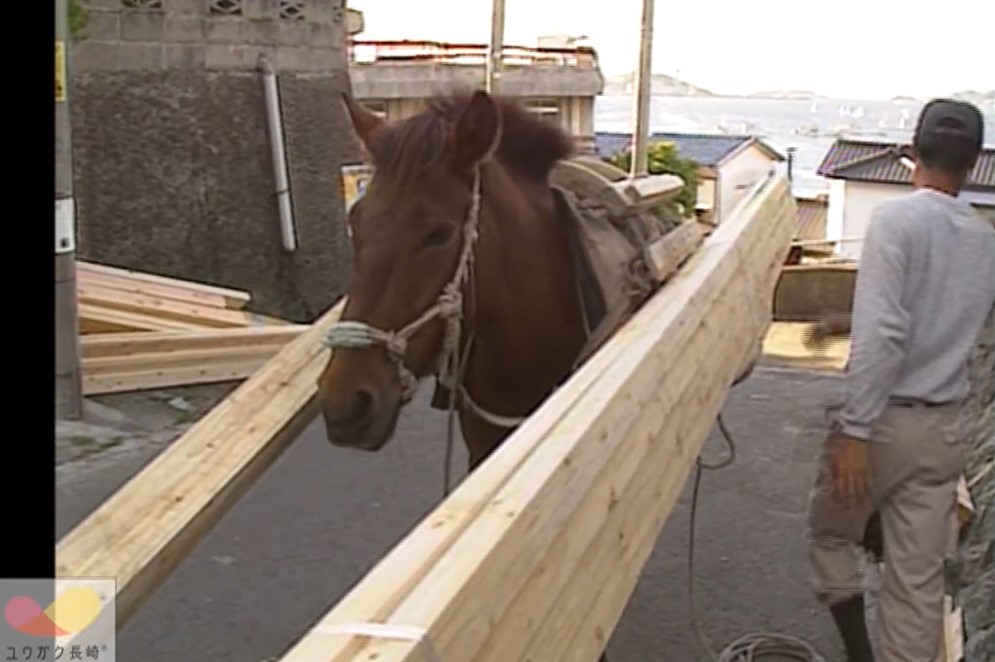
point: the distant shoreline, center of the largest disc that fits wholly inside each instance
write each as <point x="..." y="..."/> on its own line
<point x="984" y="101"/>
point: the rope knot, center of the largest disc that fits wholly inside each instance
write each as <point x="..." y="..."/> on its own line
<point x="450" y="302"/>
<point x="396" y="345"/>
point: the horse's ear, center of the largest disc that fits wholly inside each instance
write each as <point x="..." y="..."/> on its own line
<point x="366" y="123"/>
<point x="477" y="132"/>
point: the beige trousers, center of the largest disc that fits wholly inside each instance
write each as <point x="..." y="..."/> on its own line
<point x="916" y="458"/>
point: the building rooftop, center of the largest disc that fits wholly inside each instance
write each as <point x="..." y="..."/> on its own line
<point x="812" y="216"/>
<point x="414" y="69"/>
<point x="709" y="150"/>
<point x="882" y="162"/>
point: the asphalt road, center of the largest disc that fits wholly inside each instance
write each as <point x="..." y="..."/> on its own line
<point x="321" y="517"/>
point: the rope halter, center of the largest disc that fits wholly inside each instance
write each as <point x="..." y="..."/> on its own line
<point x="354" y="334"/>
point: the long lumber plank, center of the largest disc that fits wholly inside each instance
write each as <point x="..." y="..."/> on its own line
<point x="170" y="292"/>
<point x="128" y="344"/>
<point x="584" y="617"/>
<point x="580" y="618"/>
<point x="95" y="318"/>
<point x="167" y="308"/>
<point x="592" y="404"/>
<point x="143" y="531"/>
<point x="204" y="358"/>
<point x="170" y="377"/>
<point x="234" y="299"/>
<point x="606" y="510"/>
<point x="668" y="253"/>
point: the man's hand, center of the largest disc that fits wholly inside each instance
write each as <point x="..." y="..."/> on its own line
<point x="850" y="463"/>
<point x="818" y="333"/>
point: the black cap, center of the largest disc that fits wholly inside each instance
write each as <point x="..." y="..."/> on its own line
<point x="949" y="118"/>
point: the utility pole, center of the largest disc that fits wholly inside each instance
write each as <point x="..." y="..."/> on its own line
<point x="644" y="76"/>
<point x="68" y="380"/>
<point x="495" y="50"/>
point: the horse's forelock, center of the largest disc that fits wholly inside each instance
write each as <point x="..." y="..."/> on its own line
<point x="409" y="151"/>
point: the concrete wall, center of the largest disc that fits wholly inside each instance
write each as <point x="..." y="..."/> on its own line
<point x="852" y="203"/>
<point x="834" y="213"/>
<point x="706" y="194"/>
<point x="574" y="114"/>
<point x="173" y="172"/>
<point x="977" y="550"/>
<point x="808" y="292"/>
<point x="860" y="200"/>
<point x="738" y="176"/>
<point x="395" y="80"/>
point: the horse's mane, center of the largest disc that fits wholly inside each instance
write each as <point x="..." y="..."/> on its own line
<point x="410" y="149"/>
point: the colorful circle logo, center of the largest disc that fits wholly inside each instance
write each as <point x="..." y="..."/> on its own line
<point x="71" y="612"/>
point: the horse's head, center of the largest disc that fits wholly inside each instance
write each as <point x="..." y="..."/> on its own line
<point x="410" y="234"/>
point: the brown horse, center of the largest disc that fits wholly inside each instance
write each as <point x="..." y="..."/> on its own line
<point x="462" y="270"/>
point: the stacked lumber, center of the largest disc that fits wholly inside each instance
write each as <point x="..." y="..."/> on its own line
<point x="143" y="531"/>
<point x="535" y="555"/>
<point x="142" y="331"/>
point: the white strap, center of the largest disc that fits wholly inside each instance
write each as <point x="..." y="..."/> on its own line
<point x="416" y="634"/>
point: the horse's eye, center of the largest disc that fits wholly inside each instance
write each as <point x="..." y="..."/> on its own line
<point x="440" y="235"/>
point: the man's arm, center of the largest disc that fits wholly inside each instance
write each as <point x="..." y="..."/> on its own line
<point x="880" y="323"/>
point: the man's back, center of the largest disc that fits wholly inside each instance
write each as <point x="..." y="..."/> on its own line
<point x="948" y="290"/>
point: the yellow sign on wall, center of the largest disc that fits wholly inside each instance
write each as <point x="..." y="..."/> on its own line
<point x="60" y="71"/>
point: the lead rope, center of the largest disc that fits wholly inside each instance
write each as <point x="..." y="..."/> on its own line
<point x="451" y="363"/>
<point x="449" y="305"/>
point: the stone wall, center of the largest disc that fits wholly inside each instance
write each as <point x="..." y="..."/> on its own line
<point x="173" y="169"/>
<point x="977" y="557"/>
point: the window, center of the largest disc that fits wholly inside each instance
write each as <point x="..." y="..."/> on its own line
<point x="292" y="10"/>
<point x="547" y="109"/>
<point x="226" y="7"/>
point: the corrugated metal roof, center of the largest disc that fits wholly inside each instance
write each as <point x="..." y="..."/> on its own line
<point x="812" y="216"/>
<point x="882" y="162"/>
<point x="704" y="149"/>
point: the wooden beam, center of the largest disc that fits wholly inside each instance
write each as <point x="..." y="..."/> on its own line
<point x="616" y="441"/>
<point x="234" y="299"/>
<point x="144" y="530"/>
<point x="94" y="318"/>
<point x="167" y="308"/>
<point x="666" y="255"/>
<point x="205" y="358"/>
<point x="171" y="376"/>
<point x="143" y="289"/>
<point x="128" y="344"/>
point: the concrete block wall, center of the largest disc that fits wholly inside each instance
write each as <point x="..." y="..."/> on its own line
<point x="128" y="35"/>
<point x="172" y="165"/>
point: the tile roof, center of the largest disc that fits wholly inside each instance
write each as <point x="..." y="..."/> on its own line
<point x="704" y="149"/>
<point x="881" y="162"/>
<point x="812" y="216"/>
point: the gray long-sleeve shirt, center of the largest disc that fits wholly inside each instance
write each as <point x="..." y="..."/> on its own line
<point x="925" y="287"/>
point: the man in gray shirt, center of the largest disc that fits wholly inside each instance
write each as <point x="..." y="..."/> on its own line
<point x="925" y="286"/>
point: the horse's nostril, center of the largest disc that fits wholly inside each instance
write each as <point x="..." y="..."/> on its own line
<point x="362" y="404"/>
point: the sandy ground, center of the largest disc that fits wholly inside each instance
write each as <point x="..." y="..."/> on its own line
<point x="321" y="517"/>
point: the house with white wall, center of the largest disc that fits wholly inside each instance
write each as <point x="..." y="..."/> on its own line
<point x="728" y="165"/>
<point x="863" y="174"/>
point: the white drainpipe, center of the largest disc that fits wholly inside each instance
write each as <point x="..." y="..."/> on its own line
<point x="275" y="122"/>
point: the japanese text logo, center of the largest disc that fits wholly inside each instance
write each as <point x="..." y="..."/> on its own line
<point x="58" y="619"/>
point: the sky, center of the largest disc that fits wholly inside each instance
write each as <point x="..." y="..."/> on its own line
<point x="856" y="49"/>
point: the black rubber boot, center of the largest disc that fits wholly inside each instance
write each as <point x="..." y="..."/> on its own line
<point x="849" y="618"/>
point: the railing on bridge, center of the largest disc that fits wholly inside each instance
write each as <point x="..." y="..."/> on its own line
<point x="362" y="52"/>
